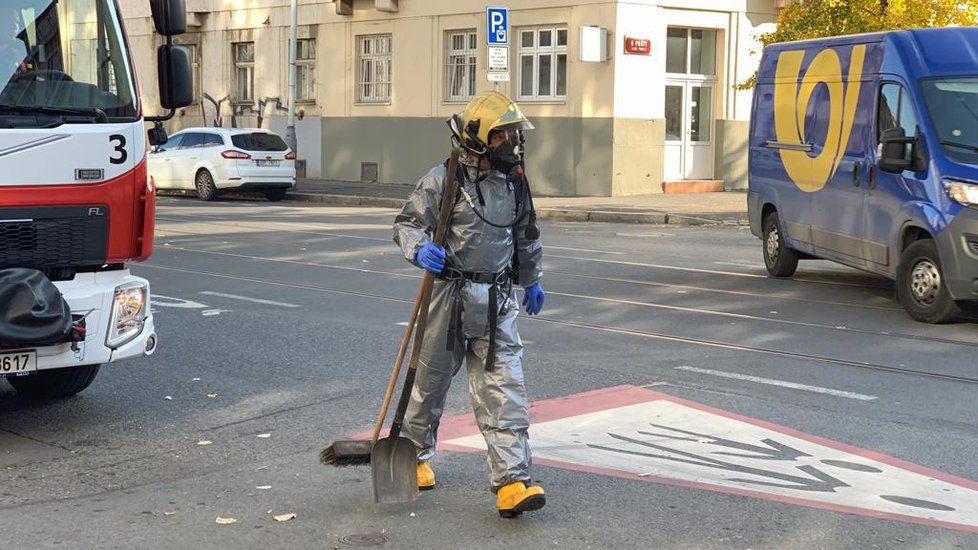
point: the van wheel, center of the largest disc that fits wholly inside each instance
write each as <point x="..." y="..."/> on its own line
<point x="920" y="284"/>
<point x="54" y="383"/>
<point x="204" y="183"/>
<point x="275" y="195"/>
<point x="779" y="260"/>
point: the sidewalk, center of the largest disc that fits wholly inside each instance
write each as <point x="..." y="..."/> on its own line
<point x="726" y="208"/>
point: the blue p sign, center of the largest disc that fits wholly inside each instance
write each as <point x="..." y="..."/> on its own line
<point x="497" y="26"/>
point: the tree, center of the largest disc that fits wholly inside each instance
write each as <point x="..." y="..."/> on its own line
<point x="803" y="19"/>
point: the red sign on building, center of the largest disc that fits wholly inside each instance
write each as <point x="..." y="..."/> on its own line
<point x="640" y="46"/>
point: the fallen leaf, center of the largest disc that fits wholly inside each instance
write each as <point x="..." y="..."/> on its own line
<point x="204" y="442"/>
<point x="225" y="521"/>
<point x="284" y="517"/>
<point x="212" y="394"/>
<point x="263" y="487"/>
<point x="263" y="436"/>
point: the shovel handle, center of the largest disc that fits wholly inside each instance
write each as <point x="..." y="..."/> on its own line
<point x="444" y="219"/>
<point x="397" y="367"/>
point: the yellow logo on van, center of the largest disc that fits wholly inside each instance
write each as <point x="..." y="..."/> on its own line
<point x="791" y="97"/>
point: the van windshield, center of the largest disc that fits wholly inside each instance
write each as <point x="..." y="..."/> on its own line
<point x="953" y="107"/>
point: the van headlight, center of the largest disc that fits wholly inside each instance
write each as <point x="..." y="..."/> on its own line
<point x="128" y="313"/>
<point x="962" y="192"/>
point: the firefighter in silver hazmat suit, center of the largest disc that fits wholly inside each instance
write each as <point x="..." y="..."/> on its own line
<point x="472" y="317"/>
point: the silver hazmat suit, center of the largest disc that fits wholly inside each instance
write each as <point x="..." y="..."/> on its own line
<point x="498" y="394"/>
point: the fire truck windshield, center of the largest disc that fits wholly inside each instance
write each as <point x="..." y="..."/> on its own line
<point x="59" y="58"/>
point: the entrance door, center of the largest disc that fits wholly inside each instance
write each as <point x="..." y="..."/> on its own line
<point x="689" y="130"/>
<point x="691" y="59"/>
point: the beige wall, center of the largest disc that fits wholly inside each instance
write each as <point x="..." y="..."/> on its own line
<point x="605" y="138"/>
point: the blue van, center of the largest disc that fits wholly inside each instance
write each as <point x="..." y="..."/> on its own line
<point x="864" y="151"/>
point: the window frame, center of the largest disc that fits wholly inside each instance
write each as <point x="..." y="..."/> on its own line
<point x="367" y="90"/>
<point x="308" y="66"/>
<point x="465" y="59"/>
<point x="554" y="50"/>
<point x="248" y="66"/>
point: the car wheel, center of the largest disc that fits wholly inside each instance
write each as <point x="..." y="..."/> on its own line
<point x="920" y="284"/>
<point x="204" y="183"/>
<point x="275" y="195"/>
<point x="54" y="383"/>
<point x="779" y="260"/>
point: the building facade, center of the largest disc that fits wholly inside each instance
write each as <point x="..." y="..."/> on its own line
<point x="625" y="94"/>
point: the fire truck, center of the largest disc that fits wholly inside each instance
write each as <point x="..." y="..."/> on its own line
<point x="76" y="205"/>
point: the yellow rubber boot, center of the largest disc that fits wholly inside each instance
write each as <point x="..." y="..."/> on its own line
<point x="426" y="476"/>
<point x="516" y="498"/>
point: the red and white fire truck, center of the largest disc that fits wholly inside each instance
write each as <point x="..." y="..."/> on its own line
<point x="75" y="202"/>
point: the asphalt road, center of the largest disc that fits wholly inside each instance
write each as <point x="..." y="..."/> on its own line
<point x="728" y="410"/>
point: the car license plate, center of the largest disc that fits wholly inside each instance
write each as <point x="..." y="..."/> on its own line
<point x="18" y="362"/>
<point x="265" y="162"/>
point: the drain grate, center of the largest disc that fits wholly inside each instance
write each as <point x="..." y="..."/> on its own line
<point x="366" y="539"/>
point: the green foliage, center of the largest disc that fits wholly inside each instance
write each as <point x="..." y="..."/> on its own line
<point x="804" y="19"/>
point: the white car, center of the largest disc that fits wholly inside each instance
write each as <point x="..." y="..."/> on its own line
<point x="210" y="160"/>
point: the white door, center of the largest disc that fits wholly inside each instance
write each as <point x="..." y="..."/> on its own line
<point x="689" y="130"/>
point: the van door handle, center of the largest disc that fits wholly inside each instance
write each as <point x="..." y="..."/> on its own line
<point x="871" y="176"/>
<point x="857" y="169"/>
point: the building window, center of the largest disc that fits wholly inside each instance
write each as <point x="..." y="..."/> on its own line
<point x="194" y="52"/>
<point x="460" y="51"/>
<point x="305" y="69"/>
<point x="691" y="51"/>
<point x="374" y="68"/>
<point x="543" y="63"/>
<point x="244" y="71"/>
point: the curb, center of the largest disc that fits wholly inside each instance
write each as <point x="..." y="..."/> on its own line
<point x="551" y="214"/>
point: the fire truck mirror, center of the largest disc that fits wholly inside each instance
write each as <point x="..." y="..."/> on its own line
<point x="157" y="135"/>
<point x="169" y="16"/>
<point x="173" y="68"/>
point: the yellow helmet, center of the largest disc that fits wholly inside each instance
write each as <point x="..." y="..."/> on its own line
<point x="487" y="112"/>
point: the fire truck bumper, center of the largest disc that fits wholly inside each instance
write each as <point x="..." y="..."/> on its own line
<point x="104" y="298"/>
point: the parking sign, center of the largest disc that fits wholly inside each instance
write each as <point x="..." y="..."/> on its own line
<point x="497" y="26"/>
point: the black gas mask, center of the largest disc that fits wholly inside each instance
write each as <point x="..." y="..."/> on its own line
<point x="505" y="156"/>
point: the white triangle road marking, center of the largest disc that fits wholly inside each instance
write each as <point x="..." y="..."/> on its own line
<point x="640" y="434"/>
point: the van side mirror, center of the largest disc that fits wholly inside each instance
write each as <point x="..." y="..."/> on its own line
<point x="169" y="16"/>
<point x="176" y="83"/>
<point x="899" y="152"/>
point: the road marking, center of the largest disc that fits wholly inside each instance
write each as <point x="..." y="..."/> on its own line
<point x="552" y="247"/>
<point x="647" y="436"/>
<point x="247" y="299"/>
<point x="782" y="383"/>
<point x="179" y="303"/>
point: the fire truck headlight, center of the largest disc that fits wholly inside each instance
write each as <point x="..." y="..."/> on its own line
<point x="128" y="314"/>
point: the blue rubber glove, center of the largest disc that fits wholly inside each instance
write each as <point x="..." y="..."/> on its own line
<point x="431" y="257"/>
<point x="533" y="298"/>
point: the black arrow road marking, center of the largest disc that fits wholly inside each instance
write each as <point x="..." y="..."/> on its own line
<point x="817" y="481"/>
<point x="773" y="451"/>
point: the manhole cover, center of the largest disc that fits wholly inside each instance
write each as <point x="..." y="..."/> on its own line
<point x="367" y="539"/>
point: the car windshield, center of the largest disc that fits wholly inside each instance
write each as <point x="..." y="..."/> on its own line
<point x="953" y="107"/>
<point x="259" y="141"/>
<point x="63" y="61"/>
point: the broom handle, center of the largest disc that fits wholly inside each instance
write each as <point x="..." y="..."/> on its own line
<point x="444" y="218"/>
<point x="397" y="367"/>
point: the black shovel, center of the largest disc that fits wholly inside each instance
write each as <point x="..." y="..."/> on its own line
<point x="394" y="459"/>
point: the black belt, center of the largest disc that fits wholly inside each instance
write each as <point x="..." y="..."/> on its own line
<point x="495" y="280"/>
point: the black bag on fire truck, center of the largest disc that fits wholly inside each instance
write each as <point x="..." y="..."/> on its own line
<point x="32" y="310"/>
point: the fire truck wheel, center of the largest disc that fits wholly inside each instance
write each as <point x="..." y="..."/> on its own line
<point x="204" y="183"/>
<point x="275" y="195"/>
<point x="55" y="383"/>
